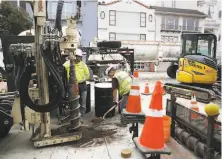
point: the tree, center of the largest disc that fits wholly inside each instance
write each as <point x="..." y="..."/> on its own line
<point x="13" y="20"/>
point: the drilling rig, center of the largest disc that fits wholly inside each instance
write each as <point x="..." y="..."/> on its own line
<point x="41" y="55"/>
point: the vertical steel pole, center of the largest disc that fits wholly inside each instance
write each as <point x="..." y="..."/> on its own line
<point x="42" y="74"/>
<point x="209" y="152"/>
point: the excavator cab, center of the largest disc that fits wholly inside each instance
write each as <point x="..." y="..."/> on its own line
<point x="197" y="63"/>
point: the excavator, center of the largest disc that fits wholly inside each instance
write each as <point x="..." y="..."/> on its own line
<point x="197" y="68"/>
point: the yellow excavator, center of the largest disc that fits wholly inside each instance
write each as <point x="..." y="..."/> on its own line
<point x="197" y="68"/>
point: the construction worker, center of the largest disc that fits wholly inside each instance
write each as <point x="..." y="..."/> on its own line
<point x="121" y="81"/>
<point x="82" y="74"/>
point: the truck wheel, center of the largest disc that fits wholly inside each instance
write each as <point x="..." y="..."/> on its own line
<point x="6" y="123"/>
<point x="101" y="71"/>
<point x="171" y="71"/>
<point x="109" y="44"/>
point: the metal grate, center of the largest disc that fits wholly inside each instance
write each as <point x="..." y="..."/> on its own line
<point x="194" y="122"/>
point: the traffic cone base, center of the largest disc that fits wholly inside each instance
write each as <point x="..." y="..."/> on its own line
<point x="145" y="150"/>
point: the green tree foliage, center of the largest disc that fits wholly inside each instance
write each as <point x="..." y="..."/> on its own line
<point x="13" y="20"/>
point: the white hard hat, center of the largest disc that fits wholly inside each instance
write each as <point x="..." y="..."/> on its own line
<point x="109" y="69"/>
<point x="78" y="52"/>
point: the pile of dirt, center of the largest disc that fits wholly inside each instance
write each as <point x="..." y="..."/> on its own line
<point x="92" y="136"/>
<point x="97" y="120"/>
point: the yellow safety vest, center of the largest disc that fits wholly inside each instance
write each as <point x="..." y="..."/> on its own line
<point x="82" y="71"/>
<point x="125" y="82"/>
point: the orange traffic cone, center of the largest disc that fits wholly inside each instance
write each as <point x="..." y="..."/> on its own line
<point x="152" y="135"/>
<point x="194" y="106"/>
<point x="134" y="101"/>
<point x="147" y="89"/>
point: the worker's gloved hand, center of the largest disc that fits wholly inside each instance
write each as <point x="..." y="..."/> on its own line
<point x="115" y="102"/>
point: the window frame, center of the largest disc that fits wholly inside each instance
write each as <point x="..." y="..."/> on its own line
<point x="173" y="4"/>
<point x="220" y="14"/>
<point x="166" y="26"/>
<point x="111" y="16"/>
<point x="170" y="38"/>
<point x="102" y="15"/>
<point x="212" y="11"/>
<point x="113" y="34"/>
<point x="64" y="11"/>
<point x="142" y="13"/>
<point x="141" y="36"/>
<point x="196" y="22"/>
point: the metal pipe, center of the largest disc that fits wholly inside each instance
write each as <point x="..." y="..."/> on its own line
<point x="194" y="144"/>
<point x="209" y="152"/>
<point x="173" y="114"/>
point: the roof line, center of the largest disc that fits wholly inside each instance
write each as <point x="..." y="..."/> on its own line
<point x="110" y="3"/>
<point x="186" y="14"/>
<point x="141" y="4"/>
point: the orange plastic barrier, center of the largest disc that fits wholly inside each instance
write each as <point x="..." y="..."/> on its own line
<point x="166" y="127"/>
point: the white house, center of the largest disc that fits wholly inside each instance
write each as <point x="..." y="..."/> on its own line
<point x="212" y="23"/>
<point x="125" y="20"/>
<point x="172" y="21"/>
<point x="147" y="27"/>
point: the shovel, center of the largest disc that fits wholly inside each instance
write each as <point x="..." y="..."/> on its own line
<point x="98" y="120"/>
<point x="113" y="107"/>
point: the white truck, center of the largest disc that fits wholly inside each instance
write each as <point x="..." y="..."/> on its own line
<point x="145" y="52"/>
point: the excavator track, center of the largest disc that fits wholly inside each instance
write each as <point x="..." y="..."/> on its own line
<point x="184" y="91"/>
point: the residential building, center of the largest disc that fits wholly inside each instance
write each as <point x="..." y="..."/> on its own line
<point x="147" y="26"/>
<point x="69" y="9"/>
<point x="172" y="21"/>
<point x="126" y="20"/>
<point x="212" y="24"/>
<point x="186" y="4"/>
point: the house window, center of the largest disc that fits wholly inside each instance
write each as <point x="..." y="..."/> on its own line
<point x="170" y="22"/>
<point x="220" y="14"/>
<point x="143" y="37"/>
<point x="142" y="19"/>
<point x="190" y="24"/>
<point x="212" y="11"/>
<point x="169" y="38"/>
<point x="173" y="4"/>
<point x="112" y="18"/>
<point x="67" y="10"/>
<point x="102" y="15"/>
<point x="162" y="3"/>
<point x="139" y="66"/>
<point x="52" y="10"/>
<point x="112" y="36"/>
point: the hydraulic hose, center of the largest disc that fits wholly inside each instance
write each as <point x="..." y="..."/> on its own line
<point x="24" y="83"/>
<point x="59" y="15"/>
